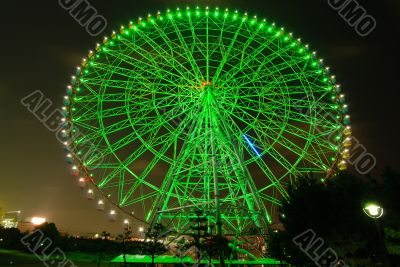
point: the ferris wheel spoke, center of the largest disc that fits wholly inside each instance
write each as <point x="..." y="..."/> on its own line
<point x="116" y="174"/>
<point x="302" y="153"/>
<point x="271" y="199"/>
<point x="281" y="85"/>
<point x="115" y="127"/>
<point x="167" y="190"/>
<point x="102" y="70"/>
<point x="128" y="85"/>
<point x="115" y="171"/>
<point x="269" y="174"/>
<point x="168" y="57"/>
<point x="241" y="52"/>
<point x="279" y="128"/>
<point x="291" y="90"/>
<point x="106" y="113"/>
<point x="133" y="157"/>
<point x="288" y="78"/>
<point x="253" y="101"/>
<point x="278" y="157"/>
<point x="150" y="69"/>
<point x="226" y="55"/>
<point x="141" y="198"/>
<point x="177" y="131"/>
<point x="207" y="52"/>
<point x="320" y="155"/>
<point x="245" y="113"/>
<point x="145" y="173"/>
<point x="157" y="66"/>
<point x="286" y="108"/>
<point x="187" y="182"/>
<point x="137" y="134"/>
<point x="245" y="62"/>
<point x="85" y="111"/>
<point x="184" y="45"/>
<point x="111" y="84"/>
<point x="286" y="142"/>
<point x="272" y="70"/>
<point x="306" y="135"/>
<point x="112" y="98"/>
<point x="195" y="40"/>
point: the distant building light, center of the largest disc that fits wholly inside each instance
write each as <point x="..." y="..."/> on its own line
<point x="9" y="223"/>
<point x="38" y="220"/>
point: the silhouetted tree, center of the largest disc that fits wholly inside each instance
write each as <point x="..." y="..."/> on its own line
<point x="333" y="210"/>
<point x="10" y="238"/>
<point x="127" y="235"/>
<point x="50" y="231"/>
<point x="152" y="245"/>
<point x="103" y="248"/>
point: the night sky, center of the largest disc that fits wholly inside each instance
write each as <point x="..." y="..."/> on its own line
<point x="42" y="44"/>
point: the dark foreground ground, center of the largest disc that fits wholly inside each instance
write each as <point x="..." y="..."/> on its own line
<point x="13" y="258"/>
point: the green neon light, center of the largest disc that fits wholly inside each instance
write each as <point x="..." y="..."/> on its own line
<point x="164" y="104"/>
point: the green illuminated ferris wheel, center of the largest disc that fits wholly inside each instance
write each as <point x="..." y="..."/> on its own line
<point x="204" y="109"/>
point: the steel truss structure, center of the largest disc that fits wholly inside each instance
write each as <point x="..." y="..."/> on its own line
<point x="206" y="109"/>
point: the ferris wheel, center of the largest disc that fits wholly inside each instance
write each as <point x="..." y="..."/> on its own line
<point x="202" y="108"/>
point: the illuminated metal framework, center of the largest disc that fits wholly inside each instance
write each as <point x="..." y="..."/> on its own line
<point x="203" y="108"/>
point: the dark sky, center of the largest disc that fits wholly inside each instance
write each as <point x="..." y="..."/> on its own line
<point x="41" y="45"/>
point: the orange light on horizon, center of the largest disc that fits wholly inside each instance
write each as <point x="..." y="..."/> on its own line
<point x="38" y="220"/>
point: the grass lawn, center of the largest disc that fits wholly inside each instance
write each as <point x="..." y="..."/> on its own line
<point x="23" y="259"/>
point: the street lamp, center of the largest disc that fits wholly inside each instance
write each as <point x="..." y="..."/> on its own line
<point x="373" y="210"/>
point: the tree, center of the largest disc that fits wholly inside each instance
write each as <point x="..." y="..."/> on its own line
<point x="151" y="245"/>
<point x="389" y="193"/>
<point x="216" y="246"/>
<point x="105" y="235"/>
<point x="127" y="235"/>
<point x="204" y="242"/>
<point x="199" y="228"/>
<point x="102" y="248"/>
<point x="51" y="232"/>
<point x="10" y="238"/>
<point x="333" y="210"/>
<point x="390" y="196"/>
